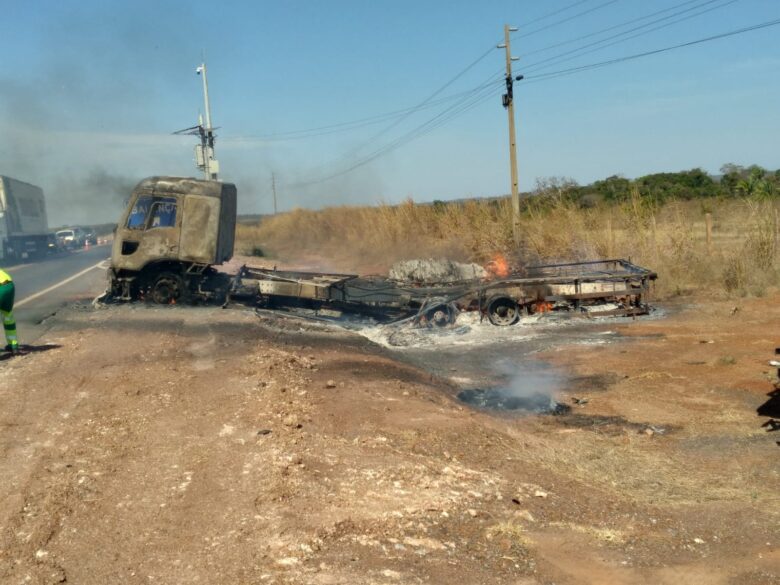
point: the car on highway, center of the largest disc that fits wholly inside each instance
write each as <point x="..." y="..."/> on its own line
<point x="71" y="238"/>
<point x="53" y="244"/>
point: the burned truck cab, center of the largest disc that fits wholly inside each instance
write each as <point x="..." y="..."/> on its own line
<point x="170" y="235"/>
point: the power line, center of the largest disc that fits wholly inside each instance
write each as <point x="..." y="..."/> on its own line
<point x="578" y="52"/>
<point x="421" y="130"/>
<point x="345" y="126"/>
<point x="479" y="94"/>
<point x="487" y="90"/>
<point x="361" y="122"/>
<point x="464" y="71"/>
<point x="554" y="12"/>
<point x="392" y="125"/>
<point x="378" y="118"/>
<point x="485" y="93"/>
<point x="556" y="23"/>
<point x="349" y="126"/>
<point x="598" y="32"/>
<point x="563" y="72"/>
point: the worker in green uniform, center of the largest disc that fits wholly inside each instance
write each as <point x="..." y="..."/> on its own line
<point x="6" y="310"/>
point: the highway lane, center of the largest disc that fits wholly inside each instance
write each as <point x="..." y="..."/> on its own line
<point x="44" y="287"/>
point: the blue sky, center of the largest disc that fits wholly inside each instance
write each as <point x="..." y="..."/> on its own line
<point x="91" y="91"/>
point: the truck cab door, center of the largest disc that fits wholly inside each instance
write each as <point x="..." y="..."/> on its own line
<point x="199" y="229"/>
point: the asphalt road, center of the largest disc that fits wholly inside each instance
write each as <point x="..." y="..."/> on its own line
<point x="44" y="287"/>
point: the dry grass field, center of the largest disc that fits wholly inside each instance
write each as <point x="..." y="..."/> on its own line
<point x="739" y="258"/>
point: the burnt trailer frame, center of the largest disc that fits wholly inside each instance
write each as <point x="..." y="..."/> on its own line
<point x="575" y="287"/>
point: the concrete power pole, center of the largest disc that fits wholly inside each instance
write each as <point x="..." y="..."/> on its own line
<point x="204" y="154"/>
<point x="508" y="101"/>
<point x="273" y="189"/>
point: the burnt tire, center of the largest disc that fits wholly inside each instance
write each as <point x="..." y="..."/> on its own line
<point x="168" y="288"/>
<point x="503" y="311"/>
<point x="441" y="315"/>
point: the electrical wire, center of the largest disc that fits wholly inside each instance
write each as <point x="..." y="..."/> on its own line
<point x="572" y="70"/>
<point x="417" y="132"/>
<point x="378" y="118"/>
<point x="343" y="126"/>
<point x="578" y="52"/>
<point x="604" y="30"/>
<point x="392" y="125"/>
<point x="359" y="123"/>
<point x="485" y="93"/>
<point x="570" y="18"/>
<point x="487" y="90"/>
<point x="479" y="94"/>
<point x="554" y="12"/>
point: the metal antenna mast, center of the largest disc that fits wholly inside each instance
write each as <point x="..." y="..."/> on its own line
<point x="204" y="153"/>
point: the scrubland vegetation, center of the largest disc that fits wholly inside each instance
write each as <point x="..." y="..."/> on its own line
<point x="660" y="221"/>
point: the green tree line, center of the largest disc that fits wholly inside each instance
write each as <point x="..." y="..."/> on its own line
<point x="734" y="181"/>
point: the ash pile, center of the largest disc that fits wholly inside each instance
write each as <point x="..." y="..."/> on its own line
<point x="435" y="271"/>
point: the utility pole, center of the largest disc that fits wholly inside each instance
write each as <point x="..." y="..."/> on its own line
<point x="273" y="189"/>
<point x="204" y="152"/>
<point x="508" y="102"/>
<point x="205" y="156"/>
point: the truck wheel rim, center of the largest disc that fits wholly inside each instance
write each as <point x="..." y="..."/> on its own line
<point x="166" y="290"/>
<point x="503" y="312"/>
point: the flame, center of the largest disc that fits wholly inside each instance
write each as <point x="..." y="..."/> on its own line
<point x="498" y="266"/>
<point x="543" y="307"/>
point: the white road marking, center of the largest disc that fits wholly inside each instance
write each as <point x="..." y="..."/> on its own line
<point x="59" y="284"/>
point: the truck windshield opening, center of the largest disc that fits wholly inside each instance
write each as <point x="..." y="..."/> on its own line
<point x="152" y="212"/>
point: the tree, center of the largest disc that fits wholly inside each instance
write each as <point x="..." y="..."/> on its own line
<point x="555" y="187"/>
<point x="614" y="188"/>
<point x="732" y="169"/>
<point x="731" y="175"/>
<point x="756" y="184"/>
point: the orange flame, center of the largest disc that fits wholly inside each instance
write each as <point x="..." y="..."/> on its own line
<point x="498" y="267"/>
<point x="543" y="307"/>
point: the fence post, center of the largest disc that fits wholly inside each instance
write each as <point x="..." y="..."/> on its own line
<point x="708" y="224"/>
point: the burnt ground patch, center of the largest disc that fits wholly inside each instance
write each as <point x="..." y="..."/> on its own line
<point x="592" y="383"/>
<point x="610" y="424"/>
<point x="499" y="399"/>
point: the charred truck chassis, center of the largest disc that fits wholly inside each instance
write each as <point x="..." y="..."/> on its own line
<point x="580" y="289"/>
<point x="169" y="282"/>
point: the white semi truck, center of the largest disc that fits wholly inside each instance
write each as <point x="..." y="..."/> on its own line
<point x="24" y="228"/>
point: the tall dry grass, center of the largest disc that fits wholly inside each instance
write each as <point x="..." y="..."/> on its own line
<point x="741" y="258"/>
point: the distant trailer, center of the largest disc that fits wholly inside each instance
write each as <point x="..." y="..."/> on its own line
<point x="23" y="223"/>
<point x="601" y="287"/>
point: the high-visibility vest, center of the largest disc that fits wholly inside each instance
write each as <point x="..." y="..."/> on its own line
<point x="5" y="277"/>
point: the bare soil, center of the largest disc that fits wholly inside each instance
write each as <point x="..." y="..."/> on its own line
<point x="201" y="445"/>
